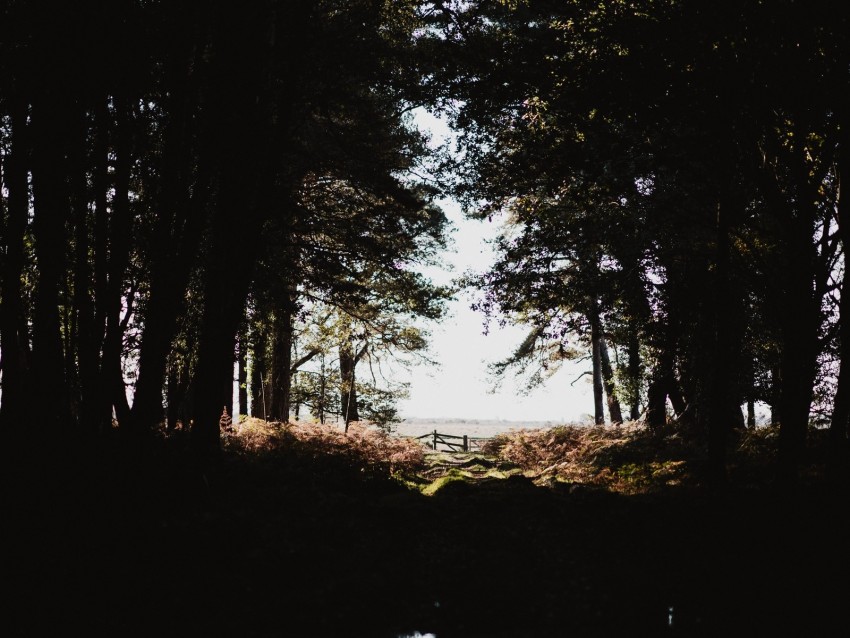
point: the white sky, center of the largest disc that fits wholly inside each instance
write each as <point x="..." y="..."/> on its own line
<point x="460" y="387"/>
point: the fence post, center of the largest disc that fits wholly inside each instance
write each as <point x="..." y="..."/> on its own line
<point x="465" y="443"/>
<point x="435" y="439"/>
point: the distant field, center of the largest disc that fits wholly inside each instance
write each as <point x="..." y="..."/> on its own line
<point x="458" y="427"/>
<point x="470" y="427"/>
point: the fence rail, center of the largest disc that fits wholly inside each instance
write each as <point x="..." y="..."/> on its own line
<point x="452" y="442"/>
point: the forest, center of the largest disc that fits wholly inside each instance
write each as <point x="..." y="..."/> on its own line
<point x="195" y="190"/>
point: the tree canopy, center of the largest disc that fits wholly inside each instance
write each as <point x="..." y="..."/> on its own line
<point x="188" y="186"/>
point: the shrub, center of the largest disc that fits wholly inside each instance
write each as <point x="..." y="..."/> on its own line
<point x="365" y="447"/>
<point x="622" y="458"/>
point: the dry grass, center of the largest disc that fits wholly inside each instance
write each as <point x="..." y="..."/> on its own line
<point x="628" y="459"/>
<point x="365" y="447"/>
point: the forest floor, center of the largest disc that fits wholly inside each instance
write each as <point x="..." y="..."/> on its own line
<point x="297" y="532"/>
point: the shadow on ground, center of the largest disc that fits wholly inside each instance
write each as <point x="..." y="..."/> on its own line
<point x="284" y="546"/>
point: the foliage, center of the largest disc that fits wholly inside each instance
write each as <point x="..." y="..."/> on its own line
<point x="666" y="172"/>
<point x="630" y="459"/>
<point x="364" y="448"/>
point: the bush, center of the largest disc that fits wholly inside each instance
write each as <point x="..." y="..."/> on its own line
<point x="366" y="448"/>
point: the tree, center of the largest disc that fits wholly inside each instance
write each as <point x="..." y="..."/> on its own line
<point x="650" y="125"/>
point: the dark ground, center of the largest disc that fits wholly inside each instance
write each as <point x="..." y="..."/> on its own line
<point x="94" y="545"/>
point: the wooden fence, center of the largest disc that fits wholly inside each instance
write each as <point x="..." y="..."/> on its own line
<point x="451" y="442"/>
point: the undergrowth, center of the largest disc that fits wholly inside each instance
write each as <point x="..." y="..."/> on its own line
<point x="626" y="459"/>
<point x="631" y="459"/>
<point x="370" y="450"/>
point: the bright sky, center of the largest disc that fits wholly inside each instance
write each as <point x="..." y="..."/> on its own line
<point x="460" y="386"/>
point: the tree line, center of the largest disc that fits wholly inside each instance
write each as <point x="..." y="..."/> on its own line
<point x="669" y="175"/>
<point x="187" y="185"/>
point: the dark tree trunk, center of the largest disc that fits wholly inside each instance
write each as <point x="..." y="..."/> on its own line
<point x="226" y="286"/>
<point x="639" y="311"/>
<point x="113" y="391"/>
<point x="608" y="381"/>
<point x="172" y="396"/>
<point x="800" y="323"/>
<point x="721" y="358"/>
<point x="348" y="388"/>
<point x="775" y="387"/>
<point x="634" y="371"/>
<point x="323" y="392"/>
<point x="179" y="226"/>
<point x="213" y="380"/>
<point x="179" y="390"/>
<point x="281" y="364"/>
<point x="165" y="306"/>
<point x="100" y="236"/>
<point x="751" y="414"/>
<point x="841" y="406"/>
<point x="87" y="341"/>
<point x="51" y="210"/>
<point x="12" y="320"/>
<point x="228" y="402"/>
<point x="656" y="404"/>
<point x="250" y="184"/>
<point x="259" y="371"/>
<point x="838" y="427"/>
<point x="677" y="399"/>
<point x="798" y="291"/>
<point x="596" y="356"/>
<point x="242" y="373"/>
<point x="175" y="393"/>
<point x="296" y="408"/>
<point x="663" y="385"/>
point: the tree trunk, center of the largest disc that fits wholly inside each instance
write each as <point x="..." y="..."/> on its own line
<point x="775" y="386"/>
<point x="656" y="407"/>
<point x="719" y="424"/>
<point x="175" y="391"/>
<point x="800" y="323"/>
<point x="172" y="396"/>
<point x="13" y="338"/>
<point x="348" y="389"/>
<point x="228" y="402"/>
<point x="677" y="399"/>
<point x="51" y="210"/>
<point x="179" y="227"/>
<point x="608" y="381"/>
<point x="596" y="356"/>
<point x="226" y="286"/>
<point x="114" y="393"/>
<point x="213" y="378"/>
<point x="259" y="371"/>
<point x="323" y="391"/>
<point x="841" y="406"/>
<point x="248" y="187"/>
<point x="634" y="372"/>
<point x="296" y="408"/>
<point x="100" y="235"/>
<point x="242" y="372"/>
<point x="87" y="341"/>
<point x="281" y="364"/>
<point x="838" y="427"/>
<point x="751" y="414"/>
